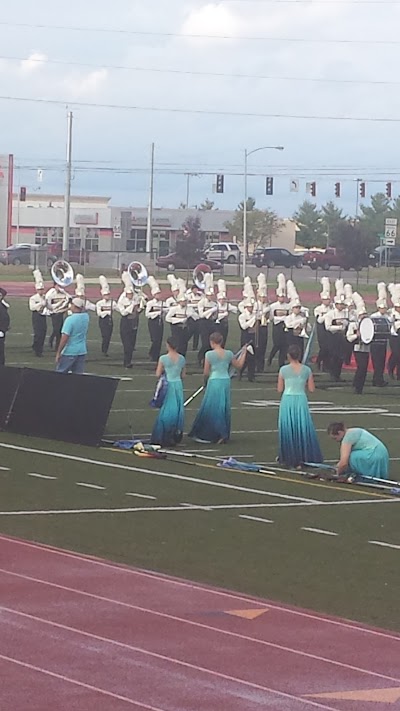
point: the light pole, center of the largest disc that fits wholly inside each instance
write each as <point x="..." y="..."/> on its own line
<point x="246" y="155"/>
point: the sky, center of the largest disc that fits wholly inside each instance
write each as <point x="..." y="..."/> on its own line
<point x="219" y="78"/>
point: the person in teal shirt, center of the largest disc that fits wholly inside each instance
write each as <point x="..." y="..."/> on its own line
<point x="360" y="452"/>
<point x="168" y="427"/>
<point x="71" y="352"/>
<point x="213" y="420"/>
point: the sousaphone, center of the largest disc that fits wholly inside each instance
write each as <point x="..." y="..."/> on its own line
<point x="62" y="273"/>
<point x="198" y="275"/>
<point x="138" y="274"/>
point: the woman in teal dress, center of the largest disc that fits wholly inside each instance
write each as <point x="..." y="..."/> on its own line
<point x="298" y="442"/>
<point x="213" y="420"/>
<point x="168" y="427"/>
<point x="361" y="452"/>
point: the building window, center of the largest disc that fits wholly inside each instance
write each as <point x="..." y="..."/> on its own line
<point x="137" y="241"/>
<point x="92" y="240"/>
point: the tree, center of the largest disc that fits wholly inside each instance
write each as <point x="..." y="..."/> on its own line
<point x="190" y="244"/>
<point x="373" y="217"/>
<point x="207" y="205"/>
<point x="332" y="216"/>
<point x="354" y="241"/>
<point x="262" y="226"/>
<point x="312" y="230"/>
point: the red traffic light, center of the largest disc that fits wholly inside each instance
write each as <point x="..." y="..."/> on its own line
<point x="389" y="190"/>
<point x="22" y="194"/>
<point x="337" y="189"/>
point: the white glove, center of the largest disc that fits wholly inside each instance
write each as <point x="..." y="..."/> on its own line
<point x="2" y="334"/>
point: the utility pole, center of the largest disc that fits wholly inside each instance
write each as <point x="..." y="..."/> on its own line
<point x="67" y="196"/>
<point x="149" y="230"/>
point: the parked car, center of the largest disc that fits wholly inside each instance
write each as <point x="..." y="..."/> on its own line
<point x="17" y="254"/>
<point x="385" y="257"/>
<point x="75" y="255"/>
<point x="228" y="252"/>
<point x="274" y="257"/>
<point x="333" y="257"/>
<point x="174" y="261"/>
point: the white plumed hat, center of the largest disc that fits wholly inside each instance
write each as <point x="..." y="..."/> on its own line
<point x="262" y="285"/>
<point x="326" y="288"/>
<point x="221" y="293"/>
<point x="104" y="286"/>
<point x="209" y="283"/>
<point x="128" y="286"/>
<point x="248" y="290"/>
<point x="173" y="282"/>
<point x="153" y="284"/>
<point x="37" y="275"/>
<point x="340" y="295"/>
<point x="348" y="294"/>
<point x="359" y="303"/>
<point x="181" y="286"/>
<point x="80" y="285"/>
<point x="381" y="301"/>
<point x="281" y="288"/>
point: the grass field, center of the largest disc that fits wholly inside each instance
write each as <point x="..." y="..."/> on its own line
<point x="245" y="531"/>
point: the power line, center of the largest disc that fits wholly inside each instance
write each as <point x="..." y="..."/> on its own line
<point x="182" y="35"/>
<point x="189" y="72"/>
<point x="200" y="112"/>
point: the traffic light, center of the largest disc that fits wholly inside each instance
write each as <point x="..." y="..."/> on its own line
<point x="362" y="190"/>
<point x="337" y="189"/>
<point x="269" y="186"/>
<point x="220" y="184"/>
<point x="22" y="194"/>
<point x="313" y="189"/>
<point x="389" y="190"/>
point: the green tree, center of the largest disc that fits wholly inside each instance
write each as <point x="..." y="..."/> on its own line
<point x="312" y="230"/>
<point x="262" y="226"/>
<point x="353" y="240"/>
<point x="332" y="216"/>
<point x="190" y="243"/>
<point x="373" y="216"/>
<point x="207" y="205"/>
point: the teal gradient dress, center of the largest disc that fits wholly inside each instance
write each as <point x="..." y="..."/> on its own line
<point x="298" y="440"/>
<point x="369" y="456"/>
<point x="213" y="420"/>
<point x="168" y="427"/>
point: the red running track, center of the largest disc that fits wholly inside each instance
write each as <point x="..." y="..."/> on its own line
<point x="82" y="634"/>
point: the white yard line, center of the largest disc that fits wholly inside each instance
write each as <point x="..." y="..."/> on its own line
<point x="385" y="545"/>
<point x="41" y="476"/>
<point x="5" y="469"/>
<point x="141" y="496"/>
<point x="319" y="530"/>
<point x="90" y="486"/>
<point x="253" y="518"/>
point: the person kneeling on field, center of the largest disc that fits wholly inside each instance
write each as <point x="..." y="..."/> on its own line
<point x="361" y="453"/>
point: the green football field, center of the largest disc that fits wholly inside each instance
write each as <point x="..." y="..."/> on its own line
<point x="330" y="547"/>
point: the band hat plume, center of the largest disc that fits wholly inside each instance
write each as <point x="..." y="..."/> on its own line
<point x="221" y="285"/>
<point x="153" y="284"/>
<point x="381" y="301"/>
<point x="173" y="282"/>
<point x="80" y="285"/>
<point x="340" y="295"/>
<point x="291" y="290"/>
<point x="209" y="283"/>
<point x="326" y="288"/>
<point x="104" y="286"/>
<point x="395" y="294"/>
<point x="37" y="275"/>
<point x="281" y="288"/>
<point x="248" y="291"/>
<point x="359" y="304"/>
<point x="262" y="285"/>
<point x="181" y="286"/>
<point x="348" y="294"/>
<point x="126" y="280"/>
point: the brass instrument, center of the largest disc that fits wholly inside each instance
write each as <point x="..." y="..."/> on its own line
<point x="199" y="273"/>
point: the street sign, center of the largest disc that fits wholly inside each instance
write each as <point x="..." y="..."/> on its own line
<point x="391" y="222"/>
<point x="389" y="242"/>
<point x="390" y="233"/>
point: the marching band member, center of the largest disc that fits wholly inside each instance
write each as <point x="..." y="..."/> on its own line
<point x="247" y="292"/>
<point x="104" y="310"/>
<point x="208" y="313"/>
<point x="295" y="325"/>
<point x="262" y="315"/>
<point x="178" y="316"/>
<point x="38" y="307"/>
<point x="336" y="322"/>
<point x="4" y="324"/>
<point x="128" y="306"/>
<point x="394" y="360"/>
<point x="277" y="314"/>
<point x="379" y="347"/>
<point x="247" y="322"/>
<point x="224" y="309"/>
<point x="361" y="350"/>
<point x="155" y="322"/>
<point x="80" y="293"/>
<point x="57" y="301"/>
<point x="194" y="295"/>
<point x="352" y="314"/>
<point x="320" y="313"/>
<point x="174" y="286"/>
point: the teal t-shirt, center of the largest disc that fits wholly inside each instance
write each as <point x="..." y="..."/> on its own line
<point x="76" y="327"/>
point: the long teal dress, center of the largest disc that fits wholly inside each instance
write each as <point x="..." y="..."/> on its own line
<point x="298" y="440"/>
<point x="369" y="456"/>
<point x="213" y="420"/>
<point x="168" y="427"/>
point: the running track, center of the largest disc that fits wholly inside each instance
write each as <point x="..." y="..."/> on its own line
<point x="82" y="634"/>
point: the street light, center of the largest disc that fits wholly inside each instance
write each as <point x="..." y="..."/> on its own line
<point x="246" y="155"/>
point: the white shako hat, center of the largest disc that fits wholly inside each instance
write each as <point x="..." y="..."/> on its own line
<point x="209" y="283"/>
<point x="181" y="285"/>
<point x="262" y="285"/>
<point x="348" y="294"/>
<point x="39" y="283"/>
<point x="248" y="290"/>
<point x="173" y="282"/>
<point x="126" y="280"/>
<point x="340" y="295"/>
<point x="153" y="284"/>
<point x="381" y="301"/>
<point x="104" y="286"/>
<point x="326" y="288"/>
<point x="359" y="304"/>
<point x="80" y="285"/>
<point x="221" y="286"/>
<point x="281" y="288"/>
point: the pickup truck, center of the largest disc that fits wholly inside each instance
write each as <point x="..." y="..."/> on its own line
<point x="331" y="257"/>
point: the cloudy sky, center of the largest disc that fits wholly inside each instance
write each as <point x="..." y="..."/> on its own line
<point x="247" y="67"/>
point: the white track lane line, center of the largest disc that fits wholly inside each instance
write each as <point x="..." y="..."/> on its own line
<point x="140" y="496"/>
<point x="385" y="545"/>
<point x="5" y="469"/>
<point x="254" y="518"/>
<point x="90" y="486"/>
<point x="41" y="476"/>
<point x="319" y="530"/>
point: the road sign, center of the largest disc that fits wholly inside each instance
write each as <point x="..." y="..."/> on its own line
<point x="389" y="242"/>
<point x="391" y="222"/>
<point x="390" y="233"/>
